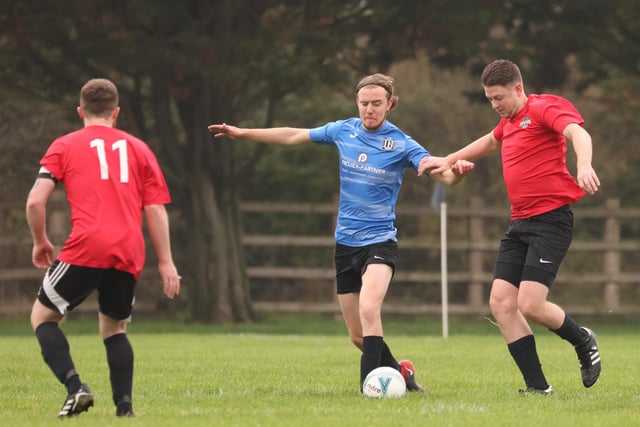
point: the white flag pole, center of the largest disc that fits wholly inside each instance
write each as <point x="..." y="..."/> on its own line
<point x="443" y="268"/>
<point x="439" y="204"/>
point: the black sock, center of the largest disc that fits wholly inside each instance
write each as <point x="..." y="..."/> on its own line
<point x="371" y="352"/>
<point x="120" y="360"/>
<point x="570" y="331"/>
<point x="55" y="352"/>
<point x="387" y="359"/>
<point x="525" y="355"/>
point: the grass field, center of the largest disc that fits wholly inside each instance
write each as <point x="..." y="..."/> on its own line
<point x="304" y="372"/>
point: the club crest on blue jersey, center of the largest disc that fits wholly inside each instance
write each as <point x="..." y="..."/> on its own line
<point x="526" y="121"/>
<point x="388" y="144"/>
<point x="362" y="157"/>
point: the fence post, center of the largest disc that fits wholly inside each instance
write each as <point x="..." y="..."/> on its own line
<point x="476" y="239"/>
<point x="612" y="254"/>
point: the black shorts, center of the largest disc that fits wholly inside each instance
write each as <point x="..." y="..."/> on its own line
<point x="533" y="248"/>
<point x="351" y="263"/>
<point x="65" y="286"/>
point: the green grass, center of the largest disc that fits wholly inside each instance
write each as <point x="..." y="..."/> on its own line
<point x="304" y="372"/>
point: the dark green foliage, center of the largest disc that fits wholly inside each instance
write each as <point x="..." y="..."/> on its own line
<point x="181" y="65"/>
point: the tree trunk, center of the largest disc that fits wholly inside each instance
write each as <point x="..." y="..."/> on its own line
<point x="217" y="285"/>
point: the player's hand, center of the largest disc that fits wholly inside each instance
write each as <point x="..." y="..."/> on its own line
<point x="462" y="167"/>
<point x="588" y="180"/>
<point x="221" y="130"/>
<point x="42" y="254"/>
<point x="433" y="164"/>
<point x="170" y="279"/>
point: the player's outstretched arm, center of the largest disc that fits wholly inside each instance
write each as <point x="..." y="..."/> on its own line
<point x="481" y="147"/>
<point x="278" y="136"/>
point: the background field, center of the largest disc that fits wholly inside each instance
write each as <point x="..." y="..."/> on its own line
<point x="303" y="371"/>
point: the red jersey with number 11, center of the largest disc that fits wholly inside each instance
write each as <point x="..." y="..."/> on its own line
<point x="534" y="156"/>
<point x="108" y="176"/>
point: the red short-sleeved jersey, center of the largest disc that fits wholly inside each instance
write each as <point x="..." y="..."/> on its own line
<point x="108" y="176"/>
<point x="534" y="156"/>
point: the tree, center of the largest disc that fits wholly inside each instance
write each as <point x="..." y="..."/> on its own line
<point x="180" y="66"/>
<point x="183" y="65"/>
<point x="590" y="47"/>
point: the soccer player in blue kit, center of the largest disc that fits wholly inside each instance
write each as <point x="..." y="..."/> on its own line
<point x="373" y="156"/>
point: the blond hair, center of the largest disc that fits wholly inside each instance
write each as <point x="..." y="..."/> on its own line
<point x="382" y="80"/>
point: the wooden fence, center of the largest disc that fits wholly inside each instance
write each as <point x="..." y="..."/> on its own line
<point x="604" y="277"/>
<point x="600" y="275"/>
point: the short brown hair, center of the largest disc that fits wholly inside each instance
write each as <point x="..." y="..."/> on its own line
<point x="384" y="81"/>
<point x="99" y="97"/>
<point x="501" y="72"/>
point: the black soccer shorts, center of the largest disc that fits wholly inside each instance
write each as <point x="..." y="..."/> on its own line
<point x="352" y="262"/>
<point x="65" y="286"/>
<point x="533" y="248"/>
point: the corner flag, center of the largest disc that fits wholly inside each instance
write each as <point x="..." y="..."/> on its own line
<point x="439" y="204"/>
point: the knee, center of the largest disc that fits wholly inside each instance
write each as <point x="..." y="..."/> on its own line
<point x="369" y="312"/>
<point x="531" y="310"/>
<point x="501" y="306"/>
<point x="110" y="327"/>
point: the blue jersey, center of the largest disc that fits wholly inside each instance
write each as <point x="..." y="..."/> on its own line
<point x="372" y="165"/>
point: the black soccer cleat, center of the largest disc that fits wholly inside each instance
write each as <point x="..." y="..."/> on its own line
<point x="124" y="408"/>
<point x="77" y="402"/>
<point x="531" y="390"/>
<point x="124" y="413"/>
<point x="409" y="374"/>
<point x="589" y="357"/>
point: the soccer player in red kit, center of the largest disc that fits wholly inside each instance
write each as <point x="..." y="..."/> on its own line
<point x="110" y="178"/>
<point x="532" y="136"/>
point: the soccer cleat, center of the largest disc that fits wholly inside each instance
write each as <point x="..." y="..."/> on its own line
<point x="124" y="413"/>
<point x="409" y="374"/>
<point x="123" y="407"/>
<point x="589" y="357"/>
<point x="77" y="402"/>
<point x="531" y="390"/>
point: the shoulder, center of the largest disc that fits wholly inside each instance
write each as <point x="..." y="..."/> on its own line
<point x="555" y="111"/>
<point x="543" y="101"/>
<point x="389" y="128"/>
<point x="64" y="143"/>
<point x="133" y="141"/>
<point x="547" y="104"/>
<point x="331" y="131"/>
<point x="69" y="137"/>
<point x="136" y="142"/>
<point x="349" y="124"/>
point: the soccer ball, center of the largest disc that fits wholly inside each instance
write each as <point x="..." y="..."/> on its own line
<point x="384" y="382"/>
